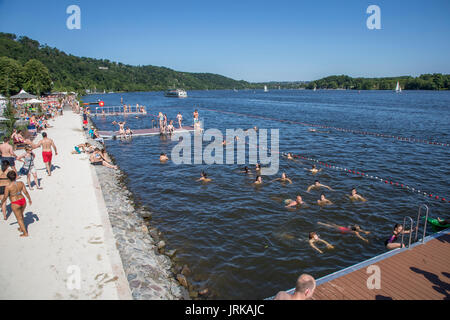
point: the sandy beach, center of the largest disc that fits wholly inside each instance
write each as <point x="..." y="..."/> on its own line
<point x="69" y="231"/>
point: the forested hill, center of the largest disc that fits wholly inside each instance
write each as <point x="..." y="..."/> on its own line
<point x="71" y="73"/>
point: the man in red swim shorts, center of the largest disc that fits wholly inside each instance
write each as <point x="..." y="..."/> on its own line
<point x="46" y="145"/>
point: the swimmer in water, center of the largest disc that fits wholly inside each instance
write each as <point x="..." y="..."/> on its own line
<point x="283" y="178"/>
<point x="289" y="156"/>
<point x="314" y="169"/>
<point x="323" y="201"/>
<point x="257" y="167"/>
<point x="398" y="230"/>
<point x="293" y="203"/>
<point x="258" y="180"/>
<point x="204" y="177"/>
<point x="355" y="229"/>
<point x="163" y="157"/>
<point x="356" y="197"/>
<point x="318" y="185"/>
<point x="246" y="170"/>
<point x="313" y="238"/>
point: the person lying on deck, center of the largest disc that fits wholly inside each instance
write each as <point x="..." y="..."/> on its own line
<point x="313" y="238"/>
<point x="355" y="229"/>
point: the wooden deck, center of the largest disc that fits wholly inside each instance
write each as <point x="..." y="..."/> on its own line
<point x="142" y="132"/>
<point x="419" y="273"/>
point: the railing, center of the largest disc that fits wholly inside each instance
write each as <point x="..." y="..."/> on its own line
<point x="410" y="230"/>
<point x="418" y="221"/>
<point x="117" y="109"/>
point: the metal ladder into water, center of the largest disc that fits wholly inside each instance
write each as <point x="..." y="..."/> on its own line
<point x="411" y="222"/>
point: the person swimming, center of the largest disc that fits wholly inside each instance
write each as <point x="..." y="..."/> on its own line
<point x="258" y="180"/>
<point x="246" y="170"/>
<point x="313" y="238"/>
<point x="314" y="169"/>
<point x="163" y="157"/>
<point x="318" y="185"/>
<point x="355" y="229"/>
<point x="293" y="203"/>
<point x="283" y="178"/>
<point x="323" y="201"/>
<point x="204" y="177"/>
<point x="257" y="167"/>
<point x="356" y="197"/>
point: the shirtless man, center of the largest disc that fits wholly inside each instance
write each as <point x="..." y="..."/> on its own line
<point x="304" y="289"/>
<point x="323" y="201"/>
<point x="121" y="128"/>
<point x="258" y="181"/>
<point x="293" y="203"/>
<point x="204" y="177"/>
<point x="355" y="196"/>
<point x="318" y="185"/>
<point x="170" y="127"/>
<point x="180" y="119"/>
<point x="46" y="145"/>
<point x="8" y="153"/>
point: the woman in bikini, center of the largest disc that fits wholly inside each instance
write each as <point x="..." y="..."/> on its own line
<point x="15" y="191"/>
<point x="4" y="181"/>
<point x="355" y="229"/>
<point x="97" y="159"/>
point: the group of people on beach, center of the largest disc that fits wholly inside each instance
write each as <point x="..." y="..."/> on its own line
<point x="10" y="188"/>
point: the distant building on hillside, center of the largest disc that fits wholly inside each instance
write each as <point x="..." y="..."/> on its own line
<point x="103" y="68"/>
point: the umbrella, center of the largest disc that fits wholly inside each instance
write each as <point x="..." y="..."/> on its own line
<point x="23" y="95"/>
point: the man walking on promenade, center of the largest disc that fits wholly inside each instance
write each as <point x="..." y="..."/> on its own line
<point x="47" y="145"/>
<point x="8" y="153"/>
<point x="304" y="289"/>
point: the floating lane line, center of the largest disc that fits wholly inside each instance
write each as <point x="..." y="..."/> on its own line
<point x="365" y="175"/>
<point x="405" y="139"/>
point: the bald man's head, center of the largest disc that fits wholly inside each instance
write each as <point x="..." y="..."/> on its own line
<point x="305" y="285"/>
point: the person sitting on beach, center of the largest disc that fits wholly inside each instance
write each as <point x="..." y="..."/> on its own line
<point x="4" y="181"/>
<point x="96" y="136"/>
<point x="28" y="167"/>
<point x="355" y="196"/>
<point x="283" y="178"/>
<point x="204" y="177"/>
<point x="318" y="185"/>
<point x="84" y="147"/>
<point x="105" y="155"/>
<point x="91" y="132"/>
<point x="391" y="242"/>
<point x="163" y="157"/>
<point x="313" y="238"/>
<point x="15" y="191"/>
<point x="97" y="159"/>
<point x="355" y="229"/>
<point x="323" y="201"/>
<point x="293" y="203"/>
<point x="258" y="180"/>
<point x="304" y="289"/>
<point x="314" y="169"/>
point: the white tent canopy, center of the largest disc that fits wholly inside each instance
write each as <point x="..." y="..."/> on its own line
<point x="33" y="101"/>
<point x="23" y="95"/>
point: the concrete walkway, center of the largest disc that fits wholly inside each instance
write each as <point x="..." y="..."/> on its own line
<point x="69" y="231"/>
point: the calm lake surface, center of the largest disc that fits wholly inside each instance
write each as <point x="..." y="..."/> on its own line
<point x="240" y="241"/>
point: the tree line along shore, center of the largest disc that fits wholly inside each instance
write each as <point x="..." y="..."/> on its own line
<point x="38" y="68"/>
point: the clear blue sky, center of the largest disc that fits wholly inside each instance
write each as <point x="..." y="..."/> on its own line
<point x="250" y="40"/>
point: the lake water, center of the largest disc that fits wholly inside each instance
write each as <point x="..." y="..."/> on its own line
<point x="240" y="241"/>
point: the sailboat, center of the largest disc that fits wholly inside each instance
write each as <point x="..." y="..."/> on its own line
<point x="398" y="89"/>
<point x="314" y="88"/>
<point x="265" y="89"/>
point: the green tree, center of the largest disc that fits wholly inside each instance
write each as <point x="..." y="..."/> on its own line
<point x="36" y="77"/>
<point x="10" y="76"/>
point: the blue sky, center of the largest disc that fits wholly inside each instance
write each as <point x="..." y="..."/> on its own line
<point x="249" y="40"/>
